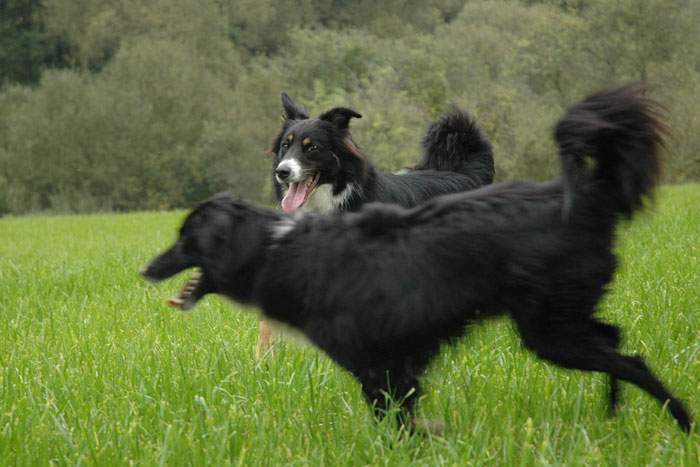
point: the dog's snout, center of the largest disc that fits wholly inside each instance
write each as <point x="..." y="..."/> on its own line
<point x="147" y="274"/>
<point x="166" y="265"/>
<point x="289" y="170"/>
<point x="283" y="173"/>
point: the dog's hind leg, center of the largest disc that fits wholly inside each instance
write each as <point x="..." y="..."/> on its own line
<point x="577" y="345"/>
<point x="612" y="336"/>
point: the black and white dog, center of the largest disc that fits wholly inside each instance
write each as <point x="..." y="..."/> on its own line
<point x="318" y="167"/>
<point x="380" y="289"/>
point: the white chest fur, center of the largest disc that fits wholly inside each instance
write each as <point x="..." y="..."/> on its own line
<point x="322" y="201"/>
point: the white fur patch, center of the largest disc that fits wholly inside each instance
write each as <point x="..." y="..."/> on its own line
<point x="283" y="227"/>
<point x="343" y="198"/>
<point x="294" y="168"/>
<point x="322" y="200"/>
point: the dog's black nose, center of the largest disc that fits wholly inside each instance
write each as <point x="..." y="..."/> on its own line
<point x="283" y="173"/>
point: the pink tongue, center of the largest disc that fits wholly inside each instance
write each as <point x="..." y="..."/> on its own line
<point x="295" y="196"/>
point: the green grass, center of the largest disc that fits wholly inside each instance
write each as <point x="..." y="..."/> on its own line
<point x="95" y="369"/>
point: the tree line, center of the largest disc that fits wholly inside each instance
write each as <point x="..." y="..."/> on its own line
<point x="156" y="104"/>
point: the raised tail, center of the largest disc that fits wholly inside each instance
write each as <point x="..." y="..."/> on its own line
<point x="621" y="130"/>
<point x="456" y="144"/>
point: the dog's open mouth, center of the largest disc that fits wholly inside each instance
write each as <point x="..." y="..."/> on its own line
<point x="299" y="192"/>
<point x="191" y="292"/>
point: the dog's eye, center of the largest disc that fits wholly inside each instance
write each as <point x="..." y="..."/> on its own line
<point x="312" y="147"/>
<point x="285" y="145"/>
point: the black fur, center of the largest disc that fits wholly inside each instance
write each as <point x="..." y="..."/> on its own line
<point x="457" y="157"/>
<point x="379" y="290"/>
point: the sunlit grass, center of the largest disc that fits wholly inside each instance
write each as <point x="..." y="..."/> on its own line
<point x="95" y="369"/>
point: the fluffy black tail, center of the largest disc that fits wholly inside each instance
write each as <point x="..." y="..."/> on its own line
<point x="455" y="144"/>
<point x="621" y="131"/>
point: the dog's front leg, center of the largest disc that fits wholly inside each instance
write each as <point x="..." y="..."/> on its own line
<point x="389" y="390"/>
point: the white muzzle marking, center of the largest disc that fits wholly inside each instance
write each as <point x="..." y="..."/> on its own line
<point x="295" y="172"/>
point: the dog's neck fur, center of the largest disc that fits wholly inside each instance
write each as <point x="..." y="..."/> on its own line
<point x="328" y="199"/>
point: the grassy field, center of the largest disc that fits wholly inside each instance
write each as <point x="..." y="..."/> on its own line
<point x="95" y="369"/>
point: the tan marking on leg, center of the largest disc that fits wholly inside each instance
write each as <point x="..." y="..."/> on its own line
<point x="264" y="338"/>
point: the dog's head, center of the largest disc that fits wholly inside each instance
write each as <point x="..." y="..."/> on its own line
<point x="219" y="238"/>
<point x="310" y="152"/>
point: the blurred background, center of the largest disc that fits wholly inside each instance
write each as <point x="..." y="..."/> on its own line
<point x="114" y="105"/>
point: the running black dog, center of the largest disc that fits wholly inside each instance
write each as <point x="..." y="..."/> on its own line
<point x="380" y="289"/>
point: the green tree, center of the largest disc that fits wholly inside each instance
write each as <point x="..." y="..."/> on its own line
<point x="25" y="46"/>
<point x="626" y="37"/>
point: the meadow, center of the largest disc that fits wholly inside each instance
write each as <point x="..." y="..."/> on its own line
<point x="96" y="370"/>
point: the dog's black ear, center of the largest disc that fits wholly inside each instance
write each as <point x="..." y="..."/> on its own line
<point x="340" y="117"/>
<point x="292" y="111"/>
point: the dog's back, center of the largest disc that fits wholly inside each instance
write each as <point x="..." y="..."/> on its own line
<point x="481" y="251"/>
